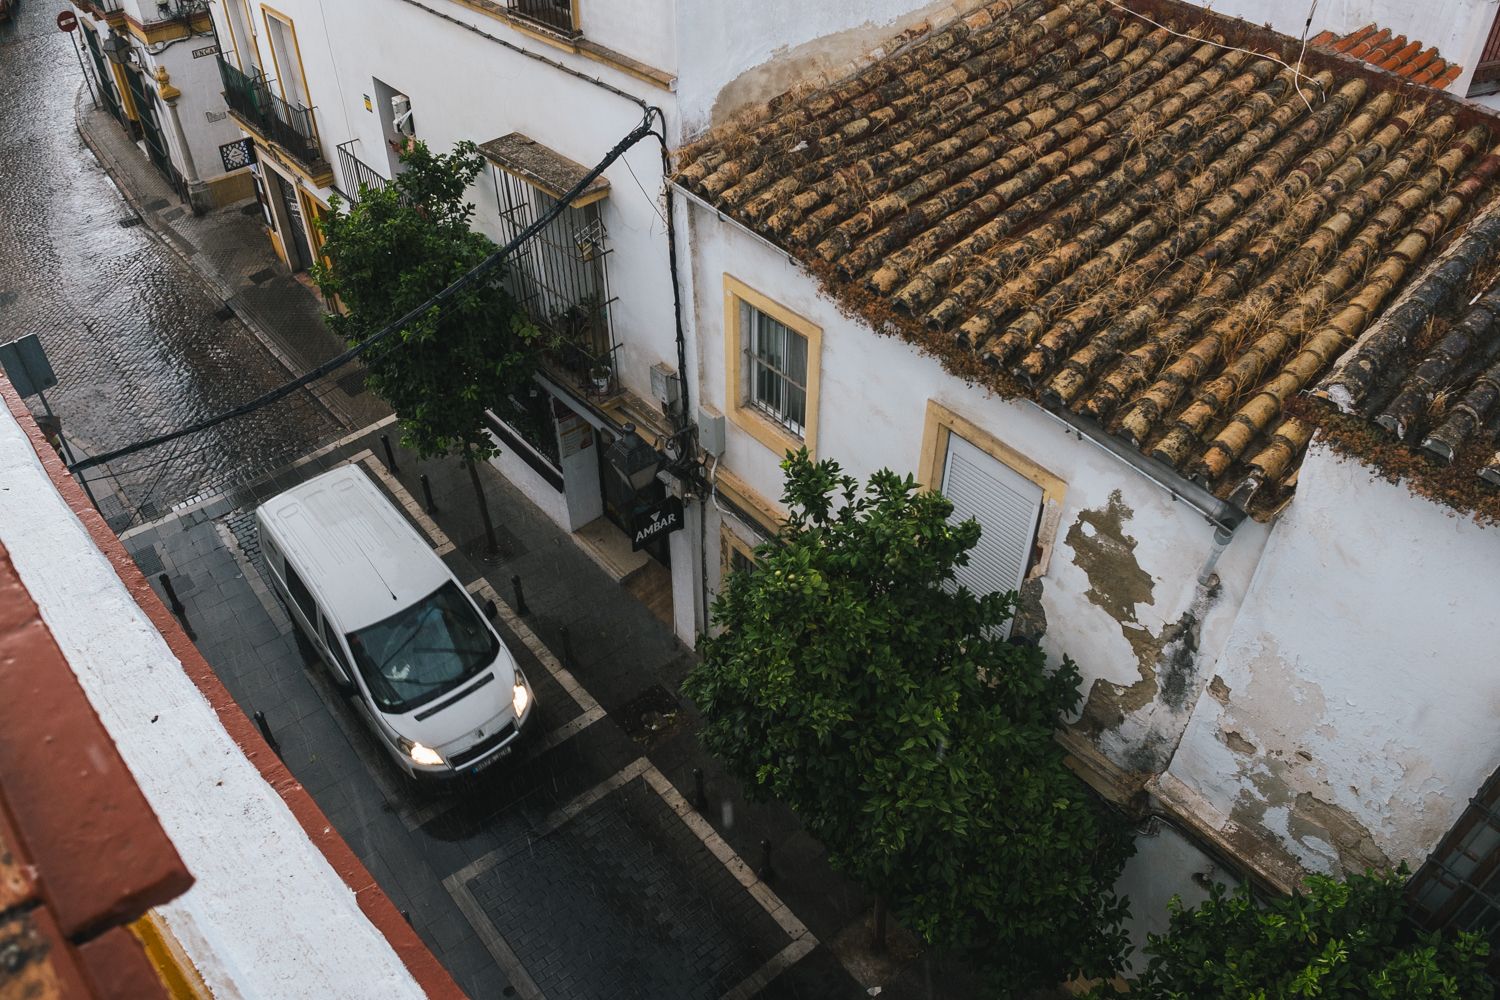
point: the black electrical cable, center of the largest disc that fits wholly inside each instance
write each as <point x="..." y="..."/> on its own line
<point x="474" y="274"/>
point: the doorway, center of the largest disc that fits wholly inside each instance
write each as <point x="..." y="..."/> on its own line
<point x="292" y="226"/>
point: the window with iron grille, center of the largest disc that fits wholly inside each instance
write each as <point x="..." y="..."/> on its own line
<point x="1458" y="888"/>
<point x="559" y="277"/>
<point x="777" y="368"/>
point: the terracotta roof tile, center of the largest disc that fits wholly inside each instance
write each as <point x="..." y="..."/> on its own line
<point x="1156" y="233"/>
<point x="1396" y="55"/>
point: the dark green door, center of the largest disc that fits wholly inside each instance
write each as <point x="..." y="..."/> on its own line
<point x="105" y="78"/>
<point x="145" y="106"/>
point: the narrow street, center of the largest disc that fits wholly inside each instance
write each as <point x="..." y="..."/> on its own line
<point x="582" y="868"/>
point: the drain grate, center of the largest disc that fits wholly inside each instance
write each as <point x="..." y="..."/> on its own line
<point x="262" y="276"/>
<point x="352" y="384"/>
<point x="225" y="313"/>
<point x="650" y="716"/>
<point x="130" y="222"/>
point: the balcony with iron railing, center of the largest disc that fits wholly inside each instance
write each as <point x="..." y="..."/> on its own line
<point x="287" y="124"/>
<point x="560" y="16"/>
<point x="103" y="8"/>
<point x="355" y="175"/>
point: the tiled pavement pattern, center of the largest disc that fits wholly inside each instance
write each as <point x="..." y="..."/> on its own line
<point x="413" y="839"/>
<point x="631" y="906"/>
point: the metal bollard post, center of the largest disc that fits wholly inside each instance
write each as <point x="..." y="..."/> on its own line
<point x="567" y="649"/>
<point x="427" y="494"/>
<point x="407" y="915"/>
<point x="265" y="732"/>
<point x="176" y="604"/>
<point x="700" y="797"/>
<point x="521" y="608"/>
<point x="764" y="872"/>
<point x="390" y="456"/>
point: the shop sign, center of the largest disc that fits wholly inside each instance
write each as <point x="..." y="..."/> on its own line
<point x="657" y="521"/>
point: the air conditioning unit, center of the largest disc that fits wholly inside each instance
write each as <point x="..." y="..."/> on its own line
<point x="401" y="119"/>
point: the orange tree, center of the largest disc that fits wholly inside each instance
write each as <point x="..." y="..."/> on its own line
<point x="852" y="680"/>
<point x="394" y="249"/>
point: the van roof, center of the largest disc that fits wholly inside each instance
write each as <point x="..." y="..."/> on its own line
<point x="352" y="547"/>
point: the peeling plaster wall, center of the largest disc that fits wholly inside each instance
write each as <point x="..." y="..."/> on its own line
<point x="1120" y="595"/>
<point x="734" y="53"/>
<point x="1456" y="27"/>
<point x="1355" y="706"/>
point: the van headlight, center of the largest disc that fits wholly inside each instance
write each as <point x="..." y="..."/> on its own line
<point x="520" y="698"/>
<point x="421" y="754"/>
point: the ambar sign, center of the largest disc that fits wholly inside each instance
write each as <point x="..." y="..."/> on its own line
<point x="654" y="522"/>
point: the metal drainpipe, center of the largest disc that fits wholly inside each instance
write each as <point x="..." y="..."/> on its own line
<point x="1222" y="537"/>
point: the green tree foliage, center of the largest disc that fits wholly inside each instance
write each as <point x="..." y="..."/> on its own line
<point x="1339" y="940"/>
<point x="853" y="682"/>
<point x="391" y="251"/>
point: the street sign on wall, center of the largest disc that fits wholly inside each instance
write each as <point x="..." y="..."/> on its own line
<point x="657" y="521"/>
<point x="26" y="366"/>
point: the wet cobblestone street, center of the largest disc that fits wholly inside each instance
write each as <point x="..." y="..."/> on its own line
<point x="138" y="343"/>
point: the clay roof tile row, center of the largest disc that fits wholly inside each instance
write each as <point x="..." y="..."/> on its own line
<point x="1408" y="59"/>
<point x="1160" y="234"/>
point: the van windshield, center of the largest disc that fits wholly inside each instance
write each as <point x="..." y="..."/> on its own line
<point x="423" y="651"/>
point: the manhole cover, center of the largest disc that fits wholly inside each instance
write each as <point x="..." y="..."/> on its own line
<point x="251" y="209"/>
<point x="650" y="716"/>
<point x="353" y="383"/>
<point x="225" y="313"/>
<point x="262" y="276"/>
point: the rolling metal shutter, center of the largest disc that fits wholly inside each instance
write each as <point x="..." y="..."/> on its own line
<point x="1007" y="506"/>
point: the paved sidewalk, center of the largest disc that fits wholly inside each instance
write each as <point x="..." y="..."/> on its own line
<point x="228" y="248"/>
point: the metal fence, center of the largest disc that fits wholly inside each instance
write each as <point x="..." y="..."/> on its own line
<point x="288" y="124"/>
<point x="356" y="175"/>
<point x="555" y="14"/>
<point x="561" y="279"/>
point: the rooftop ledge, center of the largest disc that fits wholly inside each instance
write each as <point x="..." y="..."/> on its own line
<point x="280" y="906"/>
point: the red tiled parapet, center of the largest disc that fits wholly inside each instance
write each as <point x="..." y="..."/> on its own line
<point x="101" y="855"/>
<point x="1406" y="58"/>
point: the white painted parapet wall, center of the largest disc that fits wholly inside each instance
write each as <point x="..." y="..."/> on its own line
<point x="268" y="915"/>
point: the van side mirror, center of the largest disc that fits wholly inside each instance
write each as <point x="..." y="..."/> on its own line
<point x="490" y="610"/>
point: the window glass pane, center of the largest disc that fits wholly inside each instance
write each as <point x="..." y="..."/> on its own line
<point x="332" y="642"/>
<point x="796" y="407"/>
<point x="796" y="365"/>
<point x="424" y="651"/>
<point x="301" y="595"/>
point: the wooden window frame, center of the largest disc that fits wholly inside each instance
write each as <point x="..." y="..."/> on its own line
<point x="268" y="13"/>
<point x="941" y="423"/>
<point x="742" y="410"/>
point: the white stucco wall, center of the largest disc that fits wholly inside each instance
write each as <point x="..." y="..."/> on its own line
<point x="198" y="79"/>
<point x="479" y="90"/>
<point x="1112" y="603"/>
<point x="645" y="30"/>
<point x="268" y="916"/>
<point x="1456" y="27"/>
<point x="1362" y="698"/>
<point x="766" y="46"/>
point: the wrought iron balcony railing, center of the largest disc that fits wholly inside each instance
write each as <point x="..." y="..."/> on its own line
<point x="555" y="14"/>
<point x="289" y="125"/>
<point x="356" y="175"/>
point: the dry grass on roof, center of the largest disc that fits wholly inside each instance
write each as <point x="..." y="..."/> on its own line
<point x="1161" y="234"/>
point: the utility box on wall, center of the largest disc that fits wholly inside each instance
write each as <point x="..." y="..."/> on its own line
<point x="711" y="431"/>
<point x="666" y="387"/>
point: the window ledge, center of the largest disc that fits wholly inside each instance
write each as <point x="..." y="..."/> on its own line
<point x="767" y="431"/>
<point x="576" y="45"/>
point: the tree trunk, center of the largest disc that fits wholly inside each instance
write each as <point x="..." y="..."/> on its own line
<point x="491" y="547"/>
<point x="877" y="939"/>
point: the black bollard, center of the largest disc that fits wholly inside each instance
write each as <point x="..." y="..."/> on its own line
<point x="427" y="494"/>
<point x="407" y="915"/>
<point x="567" y="649"/>
<point x="265" y="732"/>
<point x="700" y="797"/>
<point x="764" y="872"/>
<point x="390" y="456"/>
<point x="521" y="608"/>
<point x="176" y="605"/>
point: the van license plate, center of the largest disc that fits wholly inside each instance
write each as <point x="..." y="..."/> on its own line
<point x="505" y="752"/>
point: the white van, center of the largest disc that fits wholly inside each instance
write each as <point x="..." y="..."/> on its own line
<point x="395" y="627"/>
